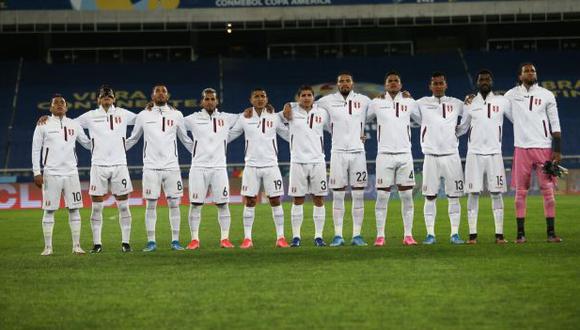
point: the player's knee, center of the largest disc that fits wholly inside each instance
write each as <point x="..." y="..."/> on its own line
<point x="430" y="198"/>
<point x="403" y="188"/>
<point x="173" y="202"/>
<point x="98" y="199"/>
<point x="121" y="197"/>
<point x="151" y="204"/>
<point x="274" y="201"/>
<point x="298" y="200"/>
<point x="318" y="201"/>
<point x="250" y="201"/>
<point x="385" y="189"/>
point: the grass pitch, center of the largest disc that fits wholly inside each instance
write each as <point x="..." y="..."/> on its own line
<point x="536" y="285"/>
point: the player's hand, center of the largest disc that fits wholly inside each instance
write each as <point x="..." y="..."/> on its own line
<point x="149" y="106"/>
<point x="38" y="180"/>
<point x="556" y="157"/>
<point x="468" y="99"/>
<point x="270" y="108"/>
<point x="407" y="95"/>
<point x="248" y="113"/>
<point x="42" y="120"/>
<point x="363" y="138"/>
<point x="287" y="112"/>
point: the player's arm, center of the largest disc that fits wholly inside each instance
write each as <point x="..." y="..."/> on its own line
<point x="83" y="139"/>
<point x="371" y="111"/>
<point x="182" y="133"/>
<point x="552" y="112"/>
<point x="37" y="143"/>
<point x="508" y="111"/>
<point x="135" y="134"/>
<point x="130" y="117"/>
<point x="465" y="123"/>
<point x="282" y="130"/>
<point x="236" y="130"/>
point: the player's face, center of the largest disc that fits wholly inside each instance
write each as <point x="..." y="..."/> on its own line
<point x="528" y="75"/>
<point x="344" y="83"/>
<point x="306" y="99"/>
<point x="259" y="99"/>
<point x="106" y="101"/>
<point x="438" y="86"/>
<point x="58" y="106"/>
<point x="209" y="101"/>
<point x="484" y="83"/>
<point x="393" y="84"/>
<point x="160" y="95"/>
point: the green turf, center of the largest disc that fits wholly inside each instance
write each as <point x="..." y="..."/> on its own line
<point x="536" y="285"/>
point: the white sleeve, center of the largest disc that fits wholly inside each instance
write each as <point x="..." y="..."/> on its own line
<point x="182" y="133"/>
<point x="83" y="139"/>
<point x="371" y="112"/>
<point x="83" y="120"/>
<point x="231" y="118"/>
<point x="463" y="127"/>
<point x="130" y="116"/>
<point x="136" y="134"/>
<point x="552" y="112"/>
<point x="236" y="130"/>
<point x="37" y="142"/>
<point x="508" y="112"/>
<point x="283" y="131"/>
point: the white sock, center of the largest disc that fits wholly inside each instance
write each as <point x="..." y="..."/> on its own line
<point x="454" y="210"/>
<point x="319" y="216"/>
<point x="407" y="210"/>
<point x="124" y="220"/>
<point x="97" y="221"/>
<point x="358" y="211"/>
<point x="47" y="227"/>
<point x="297" y="216"/>
<point x="472" y="211"/>
<point x="338" y="211"/>
<point x="174" y="217"/>
<point x="278" y="216"/>
<point x="194" y="219"/>
<point x="74" y="221"/>
<point x="381" y="206"/>
<point x="249" y="213"/>
<point x="430" y="213"/>
<point x="224" y="218"/>
<point x="150" y="218"/>
<point x="497" y="207"/>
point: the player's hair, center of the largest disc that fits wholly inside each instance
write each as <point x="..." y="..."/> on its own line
<point x="344" y="73"/>
<point x="304" y="88"/>
<point x="437" y="74"/>
<point x="57" y="95"/>
<point x="483" y="71"/>
<point x="257" y="89"/>
<point x="520" y="68"/>
<point x="158" y="85"/>
<point x="392" y="73"/>
<point x="208" y="90"/>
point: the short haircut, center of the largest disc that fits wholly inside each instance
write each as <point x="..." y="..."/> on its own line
<point x="392" y="73"/>
<point x="483" y="71"/>
<point x="257" y="89"/>
<point x="344" y="73"/>
<point x="520" y="68"/>
<point x="158" y="85"/>
<point x="304" y="88"/>
<point x="437" y="74"/>
<point x="57" y="95"/>
<point x="208" y="91"/>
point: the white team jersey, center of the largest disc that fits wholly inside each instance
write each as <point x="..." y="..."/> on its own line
<point x="108" y="132"/>
<point x="438" y="123"/>
<point x="54" y="142"/>
<point x="535" y="116"/>
<point x="160" y="126"/>
<point x="210" y="137"/>
<point x="393" y="122"/>
<point x="483" y="119"/>
<point x="347" y="120"/>
<point x="307" y="134"/>
<point x="261" y="146"/>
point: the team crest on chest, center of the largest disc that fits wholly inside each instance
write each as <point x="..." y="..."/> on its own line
<point x="170" y="122"/>
<point x="117" y="120"/>
<point x="70" y="131"/>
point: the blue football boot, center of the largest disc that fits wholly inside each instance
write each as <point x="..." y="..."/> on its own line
<point x="430" y="239"/>
<point x="295" y="242"/>
<point x="358" y="241"/>
<point x="175" y="246"/>
<point x="337" y="241"/>
<point x="150" y="247"/>
<point x="318" y="241"/>
<point x="455" y="239"/>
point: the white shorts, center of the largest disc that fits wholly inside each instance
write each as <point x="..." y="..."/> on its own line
<point x="270" y="176"/>
<point x="200" y="179"/>
<point x="348" y="168"/>
<point x="447" y="167"/>
<point x="153" y="180"/>
<point x="490" y="165"/>
<point x="308" y="179"/>
<point x="117" y="175"/>
<point x="395" y="169"/>
<point x="55" y="185"/>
